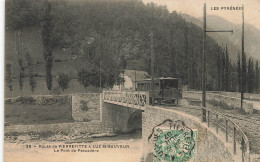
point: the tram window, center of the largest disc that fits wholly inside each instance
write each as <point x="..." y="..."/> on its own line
<point x="170" y="84"/>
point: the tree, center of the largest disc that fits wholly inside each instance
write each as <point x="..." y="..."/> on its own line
<point x="119" y="37"/>
<point x="244" y="73"/>
<point x="32" y="80"/>
<point x="63" y="81"/>
<point x="227" y="72"/>
<point x="88" y="77"/>
<point x="8" y="76"/>
<point x="233" y="77"/>
<point x="223" y="70"/>
<point x="20" y="14"/>
<point x="256" y="77"/>
<point x="123" y="63"/>
<point x="250" y="75"/>
<point x="219" y="71"/>
<point x="18" y="50"/>
<point x="47" y="29"/>
<point x="21" y="74"/>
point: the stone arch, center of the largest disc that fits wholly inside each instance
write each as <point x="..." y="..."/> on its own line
<point x="134" y="121"/>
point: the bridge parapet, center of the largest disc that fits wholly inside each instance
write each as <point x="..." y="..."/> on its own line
<point x="230" y="129"/>
<point x="226" y="143"/>
<point x="133" y="99"/>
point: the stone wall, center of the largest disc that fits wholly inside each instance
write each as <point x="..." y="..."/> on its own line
<point x="210" y="147"/>
<point x="86" y="107"/>
<point x="197" y="94"/>
<point x="232" y="102"/>
<point x="249" y="96"/>
<point x="40" y="100"/>
<point x="120" y="119"/>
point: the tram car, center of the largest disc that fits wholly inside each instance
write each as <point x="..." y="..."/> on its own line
<point x="167" y="91"/>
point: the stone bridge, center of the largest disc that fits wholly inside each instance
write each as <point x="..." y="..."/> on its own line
<point x="124" y="111"/>
<point x="219" y="139"/>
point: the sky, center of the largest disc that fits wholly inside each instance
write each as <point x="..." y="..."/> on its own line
<point x="195" y="9"/>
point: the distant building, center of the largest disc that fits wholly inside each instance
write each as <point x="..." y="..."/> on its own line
<point x="130" y="79"/>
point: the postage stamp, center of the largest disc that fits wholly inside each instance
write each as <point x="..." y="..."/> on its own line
<point x="175" y="144"/>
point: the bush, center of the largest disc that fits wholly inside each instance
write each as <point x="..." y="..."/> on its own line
<point x="220" y="104"/>
<point x="8" y="76"/>
<point x="63" y="81"/>
<point x="86" y="77"/>
<point x="84" y="105"/>
<point x="56" y="91"/>
<point x="56" y="100"/>
<point x="25" y="100"/>
<point x="8" y="101"/>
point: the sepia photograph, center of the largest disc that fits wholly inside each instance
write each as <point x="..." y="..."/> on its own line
<point x="131" y="81"/>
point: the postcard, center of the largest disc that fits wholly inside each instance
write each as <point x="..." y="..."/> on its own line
<point x="131" y="80"/>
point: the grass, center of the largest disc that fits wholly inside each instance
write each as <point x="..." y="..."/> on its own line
<point x="31" y="37"/>
<point x="220" y="104"/>
<point x="37" y="114"/>
<point x="62" y="64"/>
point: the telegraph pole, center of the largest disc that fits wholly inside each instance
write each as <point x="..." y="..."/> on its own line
<point x="243" y="60"/>
<point x="204" y="62"/>
<point x="152" y="65"/>
<point x="204" y="65"/>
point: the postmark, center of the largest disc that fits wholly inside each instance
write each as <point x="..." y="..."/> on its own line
<point x="177" y="143"/>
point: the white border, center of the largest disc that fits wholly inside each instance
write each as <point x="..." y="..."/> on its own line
<point x="2" y="15"/>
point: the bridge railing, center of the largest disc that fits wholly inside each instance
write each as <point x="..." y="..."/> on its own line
<point x="231" y="131"/>
<point x="134" y="99"/>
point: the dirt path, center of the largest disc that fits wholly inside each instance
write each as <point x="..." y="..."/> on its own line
<point x="127" y="148"/>
<point x="256" y="104"/>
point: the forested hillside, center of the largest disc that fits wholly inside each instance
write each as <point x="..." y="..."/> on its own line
<point x="116" y="35"/>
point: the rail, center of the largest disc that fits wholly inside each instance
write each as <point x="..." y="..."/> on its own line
<point x="230" y="129"/>
<point x="133" y="99"/>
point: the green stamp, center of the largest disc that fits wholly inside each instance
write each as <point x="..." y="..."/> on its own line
<point x="178" y="145"/>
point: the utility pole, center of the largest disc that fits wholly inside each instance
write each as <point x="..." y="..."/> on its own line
<point x="243" y="61"/>
<point x="204" y="62"/>
<point x="204" y="66"/>
<point x="152" y="66"/>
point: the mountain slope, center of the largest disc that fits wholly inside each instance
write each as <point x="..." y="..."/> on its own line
<point x="233" y="41"/>
<point x="119" y="35"/>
